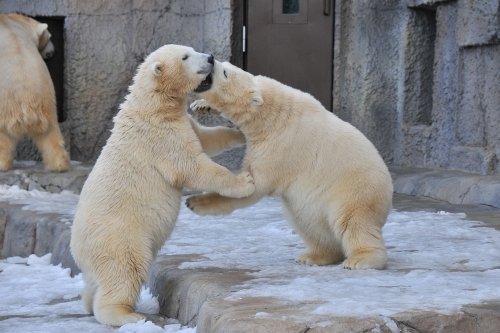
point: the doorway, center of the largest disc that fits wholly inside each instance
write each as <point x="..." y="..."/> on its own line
<point x="55" y="64"/>
<point x="292" y="42"/>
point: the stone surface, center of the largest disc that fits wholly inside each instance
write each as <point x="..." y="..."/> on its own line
<point x="420" y="79"/>
<point x="29" y="175"/>
<point x="426" y="3"/>
<point x="3" y="221"/>
<point x="365" y="76"/>
<point x="451" y="186"/>
<point x="478" y="22"/>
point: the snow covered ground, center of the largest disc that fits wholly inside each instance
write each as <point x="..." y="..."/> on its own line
<point x="437" y="261"/>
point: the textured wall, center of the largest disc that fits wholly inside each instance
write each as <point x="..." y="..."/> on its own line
<point x="421" y="79"/>
<point x="104" y="43"/>
<point x="367" y="47"/>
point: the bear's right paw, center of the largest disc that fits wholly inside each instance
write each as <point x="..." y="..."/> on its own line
<point x="200" y="105"/>
<point x="373" y="259"/>
<point x="58" y="163"/>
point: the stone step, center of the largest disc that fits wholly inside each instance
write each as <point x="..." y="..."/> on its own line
<point x="201" y="296"/>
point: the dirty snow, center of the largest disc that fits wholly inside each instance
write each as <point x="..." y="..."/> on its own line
<point x="437" y="261"/>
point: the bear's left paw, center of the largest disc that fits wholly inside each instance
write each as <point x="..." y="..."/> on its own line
<point x="207" y="204"/>
<point x="309" y="258"/>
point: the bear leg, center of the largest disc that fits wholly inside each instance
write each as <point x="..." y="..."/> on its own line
<point x="320" y="257"/>
<point x="51" y="145"/>
<point x="88" y="295"/>
<point x="323" y="248"/>
<point x="362" y="241"/>
<point x="7" y="147"/>
<point x="114" y="305"/>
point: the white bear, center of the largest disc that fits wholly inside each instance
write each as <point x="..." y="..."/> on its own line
<point x="27" y="97"/>
<point x="130" y="202"/>
<point x="333" y="183"/>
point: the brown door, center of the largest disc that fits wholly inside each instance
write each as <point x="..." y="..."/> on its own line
<point x="292" y="42"/>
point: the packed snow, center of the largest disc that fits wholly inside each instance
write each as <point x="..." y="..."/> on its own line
<point x="437" y="261"/>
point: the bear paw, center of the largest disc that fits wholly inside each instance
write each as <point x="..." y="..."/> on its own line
<point x="117" y="315"/>
<point x="208" y="204"/>
<point x="5" y="165"/>
<point x="58" y="164"/>
<point x="245" y="186"/>
<point x="372" y="259"/>
<point x="309" y="258"/>
<point x="200" y="105"/>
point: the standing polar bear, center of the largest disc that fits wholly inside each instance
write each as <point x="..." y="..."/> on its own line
<point x="130" y="202"/>
<point x="333" y="182"/>
<point x="27" y="97"/>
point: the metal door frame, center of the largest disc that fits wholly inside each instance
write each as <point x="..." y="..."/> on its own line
<point x="240" y="19"/>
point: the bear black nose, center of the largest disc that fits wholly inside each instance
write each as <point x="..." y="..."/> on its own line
<point x="211" y="59"/>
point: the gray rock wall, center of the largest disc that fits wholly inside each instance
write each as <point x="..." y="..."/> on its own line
<point x="104" y="43"/>
<point x="421" y="79"/>
<point x="418" y="77"/>
<point x="367" y="44"/>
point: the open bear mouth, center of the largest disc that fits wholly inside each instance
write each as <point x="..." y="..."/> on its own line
<point x="205" y="84"/>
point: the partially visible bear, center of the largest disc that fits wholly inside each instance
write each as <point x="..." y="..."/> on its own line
<point x="130" y="202"/>
<point x="27" y="97"/>
<point x="334" y="184"/>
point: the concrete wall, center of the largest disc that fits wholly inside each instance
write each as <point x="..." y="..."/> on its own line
<point x="421" y="78"/>
<point x="104" y="43"/>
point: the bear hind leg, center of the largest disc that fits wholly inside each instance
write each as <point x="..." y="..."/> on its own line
<point x="320" y="256"/>
<point x="88" y="295"/>
<point x="7" y="148"/>
<point x="51" y="145"/>
<point x="323" y="248"/>
<point x="362" y="241"/>
<point x="116" y="307"/>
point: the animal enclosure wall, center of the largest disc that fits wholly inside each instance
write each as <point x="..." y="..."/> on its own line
<point x="421" y="79"/>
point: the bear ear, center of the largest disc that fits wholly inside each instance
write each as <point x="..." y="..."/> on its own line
<point x="41" y="27"/>
<point x="256" y="98"/>
<point x="157" y="68"/>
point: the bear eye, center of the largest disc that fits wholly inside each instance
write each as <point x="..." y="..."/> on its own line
<point x="185" y="57"/>
<point x="225" y="74"/>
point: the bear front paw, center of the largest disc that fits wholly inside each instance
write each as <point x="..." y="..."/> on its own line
<point x="206" y="204"/>
<point x="200" y="105"/>
<point x="245" y="186"/>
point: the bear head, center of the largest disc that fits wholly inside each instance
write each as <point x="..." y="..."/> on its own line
<point x="174" y="71"/>
<point x="232" y="91"/>
<point x="45" y="45"/>
<point x="39" y="34"/>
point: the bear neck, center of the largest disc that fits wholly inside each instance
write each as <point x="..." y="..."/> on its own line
<point x="155" y="108"/>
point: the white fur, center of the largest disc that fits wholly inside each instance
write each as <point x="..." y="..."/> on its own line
<point x="27" y="97"/>
<point x="334" y="184"/>
<point x="130" y="201"/>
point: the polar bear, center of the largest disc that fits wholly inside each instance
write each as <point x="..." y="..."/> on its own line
<point x="334" y="185"/>
<point x="27" y="97"/>
<point x="130" y="202"/>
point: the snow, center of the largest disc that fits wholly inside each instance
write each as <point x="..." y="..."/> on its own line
<point x="437" y="261"/>
<point x="39" y="297"/>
